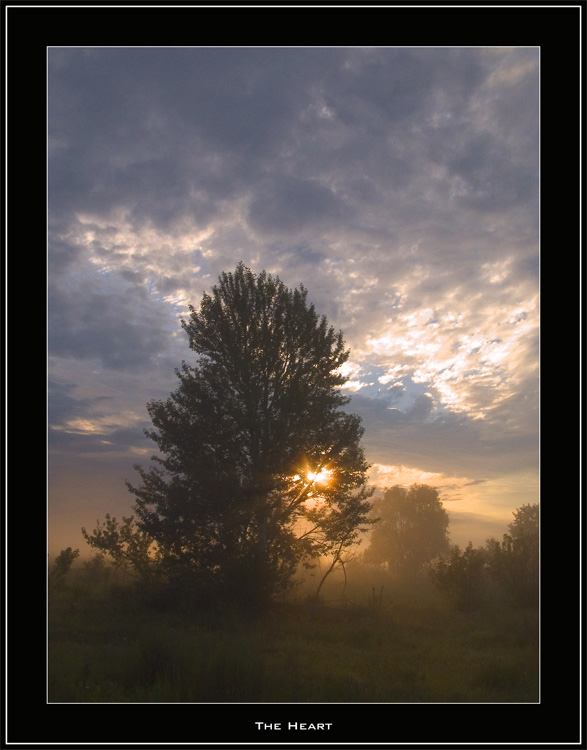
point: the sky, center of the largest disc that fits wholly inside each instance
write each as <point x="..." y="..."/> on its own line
<point x="399" y="185"/>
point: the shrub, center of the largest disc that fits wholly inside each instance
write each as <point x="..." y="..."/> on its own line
<point x="61" y="566"/>
<point x="461" y="576"/>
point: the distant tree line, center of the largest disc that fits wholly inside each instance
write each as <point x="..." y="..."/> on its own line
<point x="513" y="563"/>
<point x="411" y="530"/>
<point x="411" y="538"/>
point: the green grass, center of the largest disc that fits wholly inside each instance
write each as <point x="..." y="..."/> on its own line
<point x="408" y="645"/>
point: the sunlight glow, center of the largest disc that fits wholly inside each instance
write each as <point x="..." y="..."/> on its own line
<point x="310" y="490"/>
<point x="322" y="477"/>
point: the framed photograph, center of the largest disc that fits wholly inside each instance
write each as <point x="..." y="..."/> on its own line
<point x="303" y="266"/>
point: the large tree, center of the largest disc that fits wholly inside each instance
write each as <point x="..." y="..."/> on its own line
<point x="260" y="468"/>
<point x="412" y="529"/>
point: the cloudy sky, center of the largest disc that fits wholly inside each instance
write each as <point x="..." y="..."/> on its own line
<point x="398" y="185"/>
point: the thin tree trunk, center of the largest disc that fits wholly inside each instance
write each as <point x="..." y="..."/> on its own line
<point x="330" y="569"/>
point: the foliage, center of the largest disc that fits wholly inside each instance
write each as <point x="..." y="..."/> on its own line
<point x="96" y="575"/>
<point x="260" y="468"/>
<point x="526" y="524"/>
<point x="515" y="562"/>
<point x="129" y="547"/>
<point x="412" y="529"/>
<point x="61" y="566"/>
<point x="461" y="576"/>
<point x="112" y="649"/>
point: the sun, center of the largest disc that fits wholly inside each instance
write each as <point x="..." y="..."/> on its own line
<point x="312" y="478"/>
<point x="321" y="477"/>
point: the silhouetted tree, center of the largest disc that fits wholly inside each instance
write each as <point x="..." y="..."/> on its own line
<point x="515" y="561"/>
<point x="260" y="468"/>
<point x="461" y="575"/>
<point x="412" y="529"/>
<point x="526" y="525"/>
<point x="128" y="547"/>
<point x="61" y="567"/>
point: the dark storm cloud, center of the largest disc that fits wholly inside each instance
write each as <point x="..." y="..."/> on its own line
<point x="122" y="330"/>
<point x="396" y="83"/>
<point x="116" y="145"/>
<point x="242" y="100"/>
<point x="171" y="132"/>
<point x="489" y="183"/>
<point x="289" y="205"/>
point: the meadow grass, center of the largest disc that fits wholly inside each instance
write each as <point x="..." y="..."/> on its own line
<point x="406" y="644"/>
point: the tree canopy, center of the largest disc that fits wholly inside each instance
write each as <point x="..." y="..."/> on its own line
<point x="461" y="575"/>
<point x="412" y="529"/>
<point x="526" y="525"/>
<point x="515" y="561"/>
<point x="260" y="468"/>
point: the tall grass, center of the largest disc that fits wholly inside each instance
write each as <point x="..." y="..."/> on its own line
<point x="384" y="642"/>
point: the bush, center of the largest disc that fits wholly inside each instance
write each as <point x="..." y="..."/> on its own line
<point x="462" y="576"/>
<point x="515" y="561"/>
<point x="61" y="566"/>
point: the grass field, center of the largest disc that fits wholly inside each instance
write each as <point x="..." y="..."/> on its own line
<point x="383" y="643"/>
